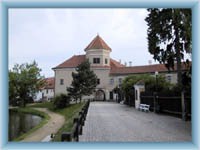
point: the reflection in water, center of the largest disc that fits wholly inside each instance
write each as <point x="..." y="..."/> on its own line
<point x="20" y="123"/>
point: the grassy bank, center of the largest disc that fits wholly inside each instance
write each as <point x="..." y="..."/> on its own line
<point x="69" y="113"/>
<point x="48" y="105"/>
<point x="27" y="110"/>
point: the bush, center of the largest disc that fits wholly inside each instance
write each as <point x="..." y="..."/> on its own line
<point x="61" y="101"/>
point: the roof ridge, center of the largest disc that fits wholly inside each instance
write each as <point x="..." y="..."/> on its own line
<point x="97" y="43"/>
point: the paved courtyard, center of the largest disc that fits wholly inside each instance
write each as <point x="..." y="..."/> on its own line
<point x="113" y="122"/>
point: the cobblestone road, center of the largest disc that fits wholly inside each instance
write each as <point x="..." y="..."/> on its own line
<point x="112" y="122"/>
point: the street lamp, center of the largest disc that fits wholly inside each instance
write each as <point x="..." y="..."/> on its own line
<point x="156" y="90"/>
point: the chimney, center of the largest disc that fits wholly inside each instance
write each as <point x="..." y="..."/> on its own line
<point x="150" y="62"/>
<point x="125" y="63"/>
<point x="130" y="63"/>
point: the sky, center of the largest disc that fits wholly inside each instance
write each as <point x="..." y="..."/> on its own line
<point x="51" y="36"/>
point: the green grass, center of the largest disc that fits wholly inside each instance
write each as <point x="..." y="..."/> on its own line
<point x="28" y="110"/>
<point x="48" y="105"/>
<point x="70" y="113"/>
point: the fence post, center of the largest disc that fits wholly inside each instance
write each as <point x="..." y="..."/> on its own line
<point x="183" y="106"/>
<point x="76" y="132"/>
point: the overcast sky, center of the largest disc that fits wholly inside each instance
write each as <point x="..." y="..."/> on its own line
<point x="51" y="36"/>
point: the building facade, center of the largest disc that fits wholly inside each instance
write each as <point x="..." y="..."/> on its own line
<point x="46" y="93"/>
<point x="110" y="72"/>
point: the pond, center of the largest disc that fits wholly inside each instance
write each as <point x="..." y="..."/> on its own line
<point x="20" y="123"/>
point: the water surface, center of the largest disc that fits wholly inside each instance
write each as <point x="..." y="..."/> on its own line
<point x="20" y="123"/>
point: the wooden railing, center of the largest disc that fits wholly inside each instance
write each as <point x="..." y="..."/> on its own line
<point x="78" y="124"/>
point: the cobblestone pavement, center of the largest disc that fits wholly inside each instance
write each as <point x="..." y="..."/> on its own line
<point x="113" y="122"/>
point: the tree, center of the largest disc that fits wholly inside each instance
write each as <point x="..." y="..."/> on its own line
<point x="149" y="82"/>
<point x="84" y="81"/>
<point x="24" y="81"/>
<point x="169" y="36"/>
<point x="61" y="101"/>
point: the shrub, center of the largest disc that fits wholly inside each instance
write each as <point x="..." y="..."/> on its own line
<point x="61" y="101"/>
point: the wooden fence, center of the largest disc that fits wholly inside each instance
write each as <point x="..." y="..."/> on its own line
<point x="170" y="104"/>
<point x="78" y="124"/>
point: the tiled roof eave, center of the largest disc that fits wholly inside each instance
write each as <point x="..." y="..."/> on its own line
<point x="98" y="49"/>
<point x="49" y="88"/>
<point x="62" y="68"/>
<point x="150" y="72"/>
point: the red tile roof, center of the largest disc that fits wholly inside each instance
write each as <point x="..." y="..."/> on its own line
<point x="138" y="69"/>
<point x="141" y="69"/>
<point x="115" y="67"/>
<point x="98" y="43"/>
<point x="114" y="63"/>
<point x="72" y="62"/>
<point x="49" y="83"/>
<point x="75" y="60"/>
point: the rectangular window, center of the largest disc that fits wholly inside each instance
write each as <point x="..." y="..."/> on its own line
<point x="112" y="81"/>
<point x="96" y="60"/>
<point x="98" y="81"/>
<point x="120" y="80"/>
<point x="106" y="61"/>
<point x="169" y="78"/>
<point x="61" y="81"/>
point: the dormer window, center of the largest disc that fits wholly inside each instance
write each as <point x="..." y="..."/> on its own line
<point x="96" y="60"/>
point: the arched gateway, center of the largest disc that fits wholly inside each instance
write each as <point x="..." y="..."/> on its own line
<point x="100" y="95"/>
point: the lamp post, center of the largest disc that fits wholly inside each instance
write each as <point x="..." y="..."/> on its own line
<point x="156" y="90"/>
<point x="156" y="74"/>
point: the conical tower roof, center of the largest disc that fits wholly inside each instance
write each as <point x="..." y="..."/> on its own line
<point x="98" y="43"/>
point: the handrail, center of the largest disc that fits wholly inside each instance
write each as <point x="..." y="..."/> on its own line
<point x="78" y="124"/>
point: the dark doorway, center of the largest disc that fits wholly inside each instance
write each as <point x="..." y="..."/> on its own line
<point x="100" y="95"/>
<point x="111" y="95"/>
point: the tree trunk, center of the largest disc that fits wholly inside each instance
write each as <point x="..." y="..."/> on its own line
<point x="178" y="59"/>
<point x="177" y="48"/>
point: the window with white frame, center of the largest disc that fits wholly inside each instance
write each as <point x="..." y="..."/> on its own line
<point x="96" y="60"/>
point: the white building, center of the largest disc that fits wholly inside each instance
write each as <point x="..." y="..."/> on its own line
<point x="46" y="93"/>
<point x="110" y="72"/>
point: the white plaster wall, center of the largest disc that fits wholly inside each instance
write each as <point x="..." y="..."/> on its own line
<point x="173" y="77"/>
<point x="48" y="95"/>
<point x="139" y="89"/>
<point x="38" y="96"/>
<point x="116" y="80"/>
<point x="98" y="53"/>
<point x="66" y="74"/>
<point x="103" y="75"/>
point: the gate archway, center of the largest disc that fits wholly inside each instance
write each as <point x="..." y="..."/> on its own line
<point x="100" y="95"/>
